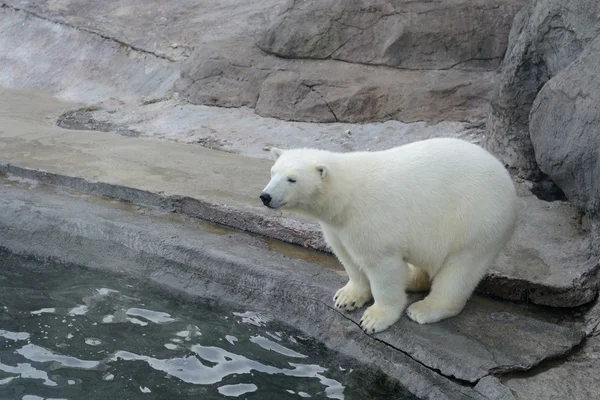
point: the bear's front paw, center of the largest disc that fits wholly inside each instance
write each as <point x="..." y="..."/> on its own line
<point x="351" y="297"/>
<point x="428" y="311"/>
<point x="377" y="318"/>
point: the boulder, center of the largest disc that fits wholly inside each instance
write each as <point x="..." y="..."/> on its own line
<point x="545" y="37"/>
<point x="565" y="132"/>
<point x="440" y="34"/>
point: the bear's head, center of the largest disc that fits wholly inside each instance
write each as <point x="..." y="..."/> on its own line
<point x="298" y="180"/>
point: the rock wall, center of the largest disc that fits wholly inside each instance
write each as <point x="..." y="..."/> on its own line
<point x="440" y="34"/>
<point x="359" y="61"/>
<point x="545" y="37"/>
<point x="544" y="119"/>
<point x="565" y="132"/>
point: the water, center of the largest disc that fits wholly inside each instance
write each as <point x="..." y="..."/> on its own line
<point x="72" y="333"/>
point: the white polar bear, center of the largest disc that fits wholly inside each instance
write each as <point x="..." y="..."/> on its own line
<point x="432" y="214"/>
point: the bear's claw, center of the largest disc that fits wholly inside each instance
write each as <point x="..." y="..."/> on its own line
<point x="350" y="297"/>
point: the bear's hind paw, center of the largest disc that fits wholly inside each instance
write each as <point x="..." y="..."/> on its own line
<point x="428" y="311"/>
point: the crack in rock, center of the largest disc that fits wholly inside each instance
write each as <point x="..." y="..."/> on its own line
<point x="90" y="31"/>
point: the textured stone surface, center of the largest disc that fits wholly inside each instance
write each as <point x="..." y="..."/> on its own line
<point x="491" y="388"/>
<point x="565" y="132"/>
<point x="545" y="37"/>
<point x="592" y="320"/>
<point x="102" y="53"/>
<point x="332" y="91"/>
<point x="226" y="73"/>
<point x="575" y="379"/>
<point x="241" y="131"/>
<point x="440" y="34"/>
<point x="487" y="337"/>
<point x="547" y="262"/>
<point x="166" y="29"/>
<point x="233" y="74"/>
<point x="75" y="65"/>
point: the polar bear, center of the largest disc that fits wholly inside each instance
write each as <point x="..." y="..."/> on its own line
<point x="429" y="215"/>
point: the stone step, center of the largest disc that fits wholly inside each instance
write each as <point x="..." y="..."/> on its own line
<point x="548" y="261"/>
<point x="488" y="338"/>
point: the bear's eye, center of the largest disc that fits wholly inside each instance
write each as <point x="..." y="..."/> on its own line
<point x="291" y="180"/>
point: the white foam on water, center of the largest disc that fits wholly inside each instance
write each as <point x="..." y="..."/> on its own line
<point x="237" y="389"/>
<point x="44" y="311"/>
<point x="14" y="336"/>
<point x="79" y="310"/>
<point x="36" y="353"/>
<point x="268" y="344"/>
<point x="153" y="316"/>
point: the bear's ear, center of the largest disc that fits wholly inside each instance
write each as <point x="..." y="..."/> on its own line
<point x="276" y="153"/>
<point x="322" y="170"/>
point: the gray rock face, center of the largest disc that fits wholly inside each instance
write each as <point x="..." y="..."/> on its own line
<point x="565" y="132"/>
<point x="576" y="379"/>
<point x="333" y="91"/>
<point x="440" y="34"/>
<point x="545" y="37"/>
<point x="166" y="29"/>
<point x="233" y="74"/>
<point x="493" y="389"/>
<point x="76" y="65"/>
<point x="294" y="74"/>
<point x="225" y="74"/>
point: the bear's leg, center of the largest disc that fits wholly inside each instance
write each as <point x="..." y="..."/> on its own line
<point x="388" y="280"/>
<point x="357" y="291"/>
<point x="418" y="279"/>
<point x="452" y="286"/>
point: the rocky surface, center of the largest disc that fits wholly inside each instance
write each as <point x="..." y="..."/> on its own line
<point x="168" y="30"/>
<point x="565" y="132"/>
<point x="228" y="74"/>
<point x="241" y="131"/>
<point x="487" y="338"/>
<point x="552" y="250"/>
<point x="545" y="37"/>
<point x="439" y="34"/>
<point x="575" y="378"/>
<point x="85" y="60"/>
<point x="75" y="50"/>
<point x="493" y="389"/>
<point x="77" y="66"/>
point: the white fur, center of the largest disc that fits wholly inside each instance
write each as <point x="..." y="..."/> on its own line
<point x="433" y="213"/>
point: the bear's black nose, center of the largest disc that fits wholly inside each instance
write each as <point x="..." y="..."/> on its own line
<point x="266" y="198"/>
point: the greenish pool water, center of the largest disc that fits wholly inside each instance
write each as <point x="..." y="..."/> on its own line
<point x="73" y="333"/>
